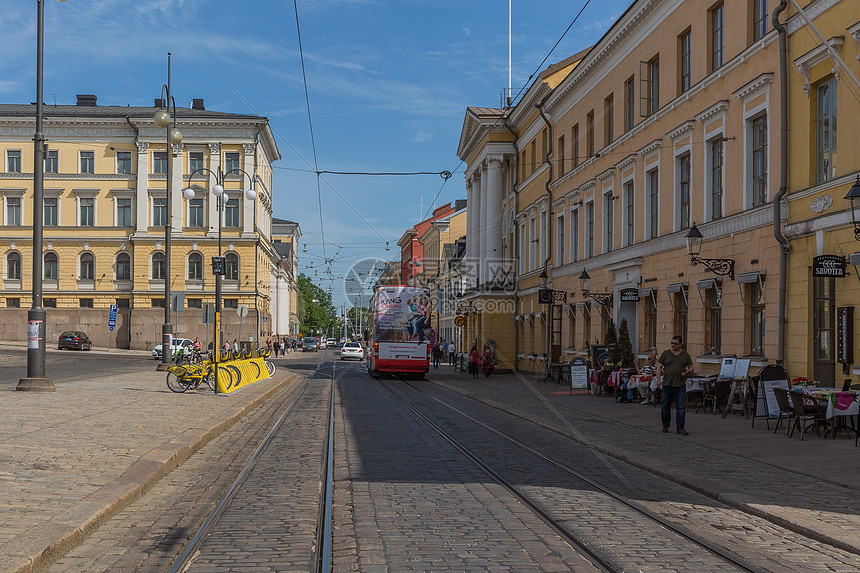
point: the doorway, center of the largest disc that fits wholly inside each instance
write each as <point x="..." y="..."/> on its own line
<point x="824" y="330"/>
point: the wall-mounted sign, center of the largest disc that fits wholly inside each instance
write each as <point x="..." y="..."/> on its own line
<point x="845" y="335"/>
<point x="828" y="266"/>
<point x="630" y="295"/>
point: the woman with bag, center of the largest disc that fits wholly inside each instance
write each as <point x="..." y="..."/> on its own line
<point x="488" y="360"/>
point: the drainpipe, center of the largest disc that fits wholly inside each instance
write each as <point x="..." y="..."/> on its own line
<point x="516" y="239"/>
<point x="131" y="237"/>
<point x="783" y="178"/>
<point x="548" y="160"/>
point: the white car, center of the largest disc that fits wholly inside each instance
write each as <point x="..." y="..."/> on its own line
<point x="352" y="350"/>
<point x="186" y="344"/>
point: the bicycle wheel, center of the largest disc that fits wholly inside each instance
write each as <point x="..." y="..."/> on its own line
<point x="209" y="377"/>
<point x="270" y="367"/>
<point x="176" y="383"/>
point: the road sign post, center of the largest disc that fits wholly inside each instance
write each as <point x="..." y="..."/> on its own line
<point x="242" y="311"/>
<point x="111" y="321"/>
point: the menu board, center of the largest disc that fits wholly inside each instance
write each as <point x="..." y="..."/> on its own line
<point x="734" y="368"/>
<point x="578" y="373"/>
<point x="768" y="407"/>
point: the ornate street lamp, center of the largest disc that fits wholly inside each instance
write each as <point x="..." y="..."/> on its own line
<point x="601" y="298"/>
<point x="163" y="119"/>
<point x="547" y="295"/>
<point x="722" y="267"/>
<point x="853" y="197"/>
<point x="219" y="264"/>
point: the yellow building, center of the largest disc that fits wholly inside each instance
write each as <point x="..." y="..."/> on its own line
<point x="670" y="121"/>
<point x="105" y="211"/>
<point x="285" y="291"/>
<point x="821" y="293"/>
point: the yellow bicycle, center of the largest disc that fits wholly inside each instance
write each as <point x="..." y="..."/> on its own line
<point x="188" y="376"/>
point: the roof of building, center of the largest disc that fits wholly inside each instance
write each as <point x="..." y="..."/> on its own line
<point x="112" y="111"/>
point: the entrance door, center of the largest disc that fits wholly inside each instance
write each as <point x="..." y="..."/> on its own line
<point x="824" y="330"/>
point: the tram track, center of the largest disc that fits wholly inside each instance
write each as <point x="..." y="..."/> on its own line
<point x="695" y="542"/>
<point x="320" y="559"/>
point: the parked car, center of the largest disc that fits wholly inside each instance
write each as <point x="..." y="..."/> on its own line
<point x="310" y="344"/>
<point x="74" y="339"/>
<point x="352" y="350"/>
<point x="186" y="344"/>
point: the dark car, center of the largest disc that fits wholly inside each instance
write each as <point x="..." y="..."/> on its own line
<point x="75" y="339"/>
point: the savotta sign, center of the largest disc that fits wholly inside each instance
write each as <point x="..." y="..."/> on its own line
<point x="828" y="266"/>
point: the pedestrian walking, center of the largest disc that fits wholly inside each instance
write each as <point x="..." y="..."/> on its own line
<point x="444" y="346"/>
<point x="437" y="356"/>
<point x="283" y="346"/>
<point x="452" y="353"/>
<point x="675" y="365"/>
<point x="236" y="346"/>
<point x="488" y="360"/>
<point x="474" y="360"/>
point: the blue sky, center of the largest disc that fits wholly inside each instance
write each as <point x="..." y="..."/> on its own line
<point x="388" y="85"/>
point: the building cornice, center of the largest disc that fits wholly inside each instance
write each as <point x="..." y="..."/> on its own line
<point x="752" y="88"/>
<point x="715" y="110"/>
<point x="682" y="130"/>
<point x="817" y="55"/>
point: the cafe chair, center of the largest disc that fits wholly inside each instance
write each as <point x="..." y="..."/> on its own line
<point x="720" y="395"/>
<point x="806" y="409"/>
<point x="695" y="399"/>
<point x="784" y="403"/>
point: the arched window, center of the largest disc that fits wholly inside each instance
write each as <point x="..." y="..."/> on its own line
<point x="123" y="267"/>
<point x="195" y="267"/>
<point x="88" y="267"/>
<point x="52" y="267"/>
<point x="232" y="267"/>
<point x="158" y="266"/>
<point x="13" y="265"/>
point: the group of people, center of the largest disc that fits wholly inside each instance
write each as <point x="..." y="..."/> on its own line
<point x="281" y="347"/>
<point x="668" y="374"/>
<point x="482" y="361"/>
<point x="443" y="350"/>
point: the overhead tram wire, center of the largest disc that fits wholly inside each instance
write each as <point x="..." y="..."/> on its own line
<point x="310" y="122"/>
<point x="520" y="91"/>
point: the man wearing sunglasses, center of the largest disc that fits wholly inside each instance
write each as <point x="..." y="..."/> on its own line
<point x="675" y="365"/>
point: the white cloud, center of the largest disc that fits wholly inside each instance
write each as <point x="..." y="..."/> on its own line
<point x="466" y="31"/>
<point x="7" y="86"/>
<point x="422" y="136"/>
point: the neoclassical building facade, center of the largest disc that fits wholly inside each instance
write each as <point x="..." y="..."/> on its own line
<point x="105" y="213"/>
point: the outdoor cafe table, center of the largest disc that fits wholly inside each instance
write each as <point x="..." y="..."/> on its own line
<point x="838" y="403"/>
<point x="703" y="383"/>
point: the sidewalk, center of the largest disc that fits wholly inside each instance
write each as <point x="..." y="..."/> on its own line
<point x="74" y="457"/>
<point x="811" y="487"/>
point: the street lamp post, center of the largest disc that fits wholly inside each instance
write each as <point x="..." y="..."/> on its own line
<point x="163" y="119"/>
<point x="722" y="267"/>
<point x="601" y="298"/>
<point x="219" y="267"/>
<point x="36" y="381"/>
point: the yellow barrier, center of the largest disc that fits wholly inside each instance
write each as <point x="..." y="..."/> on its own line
<point x="235" y="374"/>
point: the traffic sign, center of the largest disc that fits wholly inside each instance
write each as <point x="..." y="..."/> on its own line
<point x="112" y="317"/>
<point x="208" y="312"/>
<point x="459" y="321"/>
<point x="219" y="265"/>
<point x="177" y="301"/>
<point x="242" y="310"/>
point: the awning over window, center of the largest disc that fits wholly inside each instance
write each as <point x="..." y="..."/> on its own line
<point x="706" y="284"/>
<point x="750" y="277"/>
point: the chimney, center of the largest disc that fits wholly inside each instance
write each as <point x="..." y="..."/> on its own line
<point x="197" y="103"/>
<point x="459" y="204"/>
<point x="159" y="103"/>
<point x="86" y="100"/>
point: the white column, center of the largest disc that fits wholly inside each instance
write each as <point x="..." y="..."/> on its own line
<point x="141" y="199"/>
<point x="482" y="230"/>
<point x="474" y="262"/>
<point x="470" y="218"/>
<point x="175" y="187"/>
<point x="493" y="224"/>
<point x="214" y="166"/>
<point x="248" y="204"/>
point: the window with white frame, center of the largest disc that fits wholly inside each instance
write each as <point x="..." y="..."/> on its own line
<point x="52" y="161"/>
<point x="231" y="213"/>
<point x="714" y="302"/>
<point x="87" y="266"/>
<point x="715" y="178"/>
<point x="574" y="235"/>
<point x="231" y="161"/>
<point x="717" y="44"/>
<point x="123" y="162"/>
<point x="195" y="161"/>
<point x="159" y="162"/>
<point x="232" y="267"/>
<point x="123" y="267"/>
<point x="159" y="211"/>
<point x="86" y="211"/>
<point x="608" y="222"/>
<point x="523" y="254"/>
<point x="88" y="161"/>
<point x="51" y="211"/>
<point x="195" y="213"/>
<point x="649" y="87"/>
<point x="629" y="214"/>
<point x="158" y="266"/>
<point x="195" y="267"/>
<point x="760" y="16"/>
<point x="685" y="47"/>
<point x="13" y="161"/>
<point x="825" y="130"/>
<point x="13" y="210"/>
<point x="543" y="237"/>
<point x="532" y="243"/>
<point x="13" y="265"/>
<point x="652" y="181"/>
<point x="683" y="190"/>
<point x="629" y="103"/>
<point x="559" y="225"/>
<point x="759" y="160"/>
<point x="123" y="212"/>
<point x="589" y="229"/>
<point x="51" y="267"/>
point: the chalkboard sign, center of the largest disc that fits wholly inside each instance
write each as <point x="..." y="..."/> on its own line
<point x="770" y="377"/>
<point x="579" y="373"/>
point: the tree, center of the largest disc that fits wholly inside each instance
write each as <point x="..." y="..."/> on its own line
<point x="314" y="305"/>
<point x="622" y="354"/>
<point x="610" y="338"/>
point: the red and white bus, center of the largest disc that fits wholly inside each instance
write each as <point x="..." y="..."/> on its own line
<point x="399" y="331"/>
